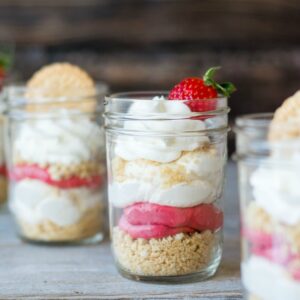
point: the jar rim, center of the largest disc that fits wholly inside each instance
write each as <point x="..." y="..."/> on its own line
<point x="17" y="92"/>
<point x="253" y="121"/>
<point x="258" y="148"/>
<point x="116" y="106"/>
<point x="157" y="120"/>
<point x="15" y="103"/>
<point x="148" y="95"/>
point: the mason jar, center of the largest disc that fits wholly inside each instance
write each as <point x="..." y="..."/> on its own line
<point x="55" y="153"/>
<point x="269" y="175"/>
<point x="165" y="182"/>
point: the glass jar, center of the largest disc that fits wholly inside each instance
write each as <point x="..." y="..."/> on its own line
<point x="3" y="179"/>
<point x="165" y="181"/>
<point x="269" y="175"/>
<point x="56" y="164"/>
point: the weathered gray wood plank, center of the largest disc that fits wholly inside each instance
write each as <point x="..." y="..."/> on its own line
<point x="87" y="272"/>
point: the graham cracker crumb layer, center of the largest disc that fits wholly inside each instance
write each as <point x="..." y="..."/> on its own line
<point x="170" y="173"/>
<point x="3" y="189"/>
<point x="255" y="217"/>
<point x="174" y="255"/>
<point x="90" y="224"/>
<point x="258" y="219"/>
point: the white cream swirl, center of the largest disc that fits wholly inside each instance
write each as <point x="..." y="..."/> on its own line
<point x="65" y="140"/>
<point x="161" y="148"/>
<point x="276" y="187"/>
<point x="33" y="201"/>
<point x="202" y="182"/>
<point x="259" y="276"/>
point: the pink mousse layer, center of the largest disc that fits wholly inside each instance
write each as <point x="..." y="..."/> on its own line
<point x="274" y="248"/>
<point x="150" y="231"/>
<point x="24" y="171"/>
<point x="146" y="220"/>
<point x="200" y="217"/>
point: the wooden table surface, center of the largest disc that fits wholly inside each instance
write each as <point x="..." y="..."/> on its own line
<point x="87" y="272"/>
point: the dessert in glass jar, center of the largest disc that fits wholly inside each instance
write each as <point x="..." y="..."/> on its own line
<point x="55" y="155"/>
<point x="6" y="53"/>
<point x="268" y="151"/>
<point x="166" y="158"/>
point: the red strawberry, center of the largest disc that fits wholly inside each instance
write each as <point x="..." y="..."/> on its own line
<point x="201" y="92"/>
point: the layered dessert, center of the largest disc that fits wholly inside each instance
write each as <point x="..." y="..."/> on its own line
<point x="5" y="63"/>
<point x="271" y="222"/>
<point x="57" y="170"/>
<point x="165" y="183"/>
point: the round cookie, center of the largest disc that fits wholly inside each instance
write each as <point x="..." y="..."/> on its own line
<point x="286" y="121"/>
<point x="61" y="85"/>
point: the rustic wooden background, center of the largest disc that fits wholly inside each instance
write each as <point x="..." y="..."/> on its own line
<point x="152" y="44"/>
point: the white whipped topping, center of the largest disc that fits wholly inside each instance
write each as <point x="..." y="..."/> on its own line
<point x="179" y="195"/>
<point x="146" y="183"/>
<point x="64" y="140"/>
<point x="34" y="201"/>
<point x="159" y="148"/>
<point x="276" y="189"/>
<point x="268" y="281"/>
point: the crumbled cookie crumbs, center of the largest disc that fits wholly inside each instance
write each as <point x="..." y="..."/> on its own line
<point x="174" y="255"/>
<point x="90" y="224"/>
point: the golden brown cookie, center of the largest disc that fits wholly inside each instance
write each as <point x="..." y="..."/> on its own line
<point x="61" y="85"/>
<point x="286" y="120"/>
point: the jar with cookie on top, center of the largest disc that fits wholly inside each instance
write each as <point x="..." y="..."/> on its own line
<point x="55" y="155"/>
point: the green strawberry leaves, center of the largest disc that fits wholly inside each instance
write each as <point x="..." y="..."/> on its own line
<point x="225" y="89"/>
<point x="6" y="56"/>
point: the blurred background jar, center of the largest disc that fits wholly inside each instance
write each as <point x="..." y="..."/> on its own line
<point x="6" y="61"/>
<point x="165" y="172"/>
<point x="55" y="155"/>
<point x="269" y="175"/>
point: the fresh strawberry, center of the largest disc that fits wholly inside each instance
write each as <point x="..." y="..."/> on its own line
<point x="201" y="93"/>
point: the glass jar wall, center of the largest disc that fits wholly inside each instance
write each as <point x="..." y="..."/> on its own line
<point x="269" y="175"/>
<point x="55" y="157"/>
<point x="165" y="181"/>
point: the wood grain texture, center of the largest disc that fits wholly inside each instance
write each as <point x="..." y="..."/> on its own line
<point x="146" y="22"/>
<point x="87" y="272"/>
<point x="150" y="44"/>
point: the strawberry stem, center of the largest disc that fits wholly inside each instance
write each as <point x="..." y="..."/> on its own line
<point x="225" y="89"/>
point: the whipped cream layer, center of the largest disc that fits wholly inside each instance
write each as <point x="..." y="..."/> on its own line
<point x="193" y="179"/>
<point x="180" y="195"/>
<point x="276" y="189"/>
<point x="159" y="148"/>
<point x="63" y="140"/>
<point x="34" y="202"/>
<point x="268" y="281"/>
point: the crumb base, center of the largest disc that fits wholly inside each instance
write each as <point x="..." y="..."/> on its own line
<point x="88" y="226"/>
<point x="181" y="254"/>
